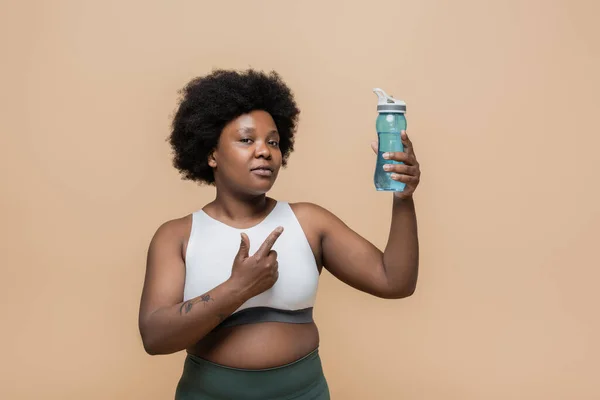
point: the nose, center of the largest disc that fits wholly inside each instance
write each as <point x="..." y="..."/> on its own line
<point x="262" y="150"/>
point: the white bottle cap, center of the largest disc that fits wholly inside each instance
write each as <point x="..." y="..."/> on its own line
<point x="388" y="103"/>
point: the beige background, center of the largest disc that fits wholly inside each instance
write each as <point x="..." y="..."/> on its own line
<point x="501" y="98"/>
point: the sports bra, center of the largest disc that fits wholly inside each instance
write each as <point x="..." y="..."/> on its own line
<point x="209" y="257"/>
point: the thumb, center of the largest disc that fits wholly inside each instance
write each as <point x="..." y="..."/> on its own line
<point x="244" y="247"/>
<point x="374" y="146"/>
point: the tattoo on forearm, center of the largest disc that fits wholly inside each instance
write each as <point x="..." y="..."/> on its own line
<point x="206" y="298"/>
<point x="187" y="306"/>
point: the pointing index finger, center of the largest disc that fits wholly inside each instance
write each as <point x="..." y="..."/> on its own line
<point x="266" y="246"/>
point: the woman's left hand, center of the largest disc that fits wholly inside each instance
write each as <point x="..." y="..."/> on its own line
<point x="409" y="172"/>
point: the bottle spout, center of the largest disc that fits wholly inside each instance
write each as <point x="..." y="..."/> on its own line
<point x="382" y="96"/>
<point x="386" y="102"/>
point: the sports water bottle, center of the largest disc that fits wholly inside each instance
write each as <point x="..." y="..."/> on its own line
<point x="390" y="123"/>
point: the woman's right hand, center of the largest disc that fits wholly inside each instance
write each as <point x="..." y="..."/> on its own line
<point x="257" y="273"/>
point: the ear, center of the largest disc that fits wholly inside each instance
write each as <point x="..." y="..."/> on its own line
<point x="212" y="161"/>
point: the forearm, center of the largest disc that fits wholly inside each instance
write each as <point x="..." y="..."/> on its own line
<point x="171" y="329"/>
<point x="401" y="255"/>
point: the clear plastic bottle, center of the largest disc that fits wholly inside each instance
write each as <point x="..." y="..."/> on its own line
<point x="391" y="121"/>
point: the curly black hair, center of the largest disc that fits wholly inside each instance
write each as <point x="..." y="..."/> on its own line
<point x="210" y="102"/>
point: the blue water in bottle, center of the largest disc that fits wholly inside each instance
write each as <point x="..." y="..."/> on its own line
<point x="391" y="121"/>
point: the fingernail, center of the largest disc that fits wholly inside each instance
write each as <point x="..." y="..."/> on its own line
<point x="387" y="167"/>
<point x="279" y="229"/>
<point x="386" y="155"/>
<point x="395" y="176"/>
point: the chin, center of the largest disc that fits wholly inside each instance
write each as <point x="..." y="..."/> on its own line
<point x="260" y="189"/>
<point x="253" y="188"/>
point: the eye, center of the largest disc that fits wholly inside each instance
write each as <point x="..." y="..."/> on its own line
<point x="274" y="143"/>
<point x="246" y="140"/>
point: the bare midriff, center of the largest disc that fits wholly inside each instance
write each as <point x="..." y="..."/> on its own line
<point x="258" y="346"/>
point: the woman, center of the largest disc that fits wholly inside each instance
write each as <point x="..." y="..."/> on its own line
<point x="234" y="283"/>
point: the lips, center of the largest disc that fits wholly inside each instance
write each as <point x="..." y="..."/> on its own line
<point x="262" y="171"/>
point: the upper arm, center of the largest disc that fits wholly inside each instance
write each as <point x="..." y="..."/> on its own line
<point x="165" y="268"/>
<point x="346" y="254"/>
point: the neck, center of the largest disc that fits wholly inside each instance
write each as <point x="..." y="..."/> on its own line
<point x="232" y="206"/>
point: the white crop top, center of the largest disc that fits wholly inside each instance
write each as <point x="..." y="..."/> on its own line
<point x="211" y="250"/>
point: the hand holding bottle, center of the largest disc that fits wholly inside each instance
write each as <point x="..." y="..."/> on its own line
<point x="406" y="170"/>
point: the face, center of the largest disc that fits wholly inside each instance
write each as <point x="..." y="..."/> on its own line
<point x="247" y="158"/>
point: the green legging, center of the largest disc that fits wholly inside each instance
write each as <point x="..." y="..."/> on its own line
<point x="300" y="380"/>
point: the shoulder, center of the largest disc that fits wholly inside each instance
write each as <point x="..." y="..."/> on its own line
<point x="309" y="210"/>
<point x="318" y="217"/>
<point x="313" y="215"/>
<point x="175" y="230"/>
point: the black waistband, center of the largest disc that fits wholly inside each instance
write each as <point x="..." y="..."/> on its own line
<point x="255" y="315"/>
